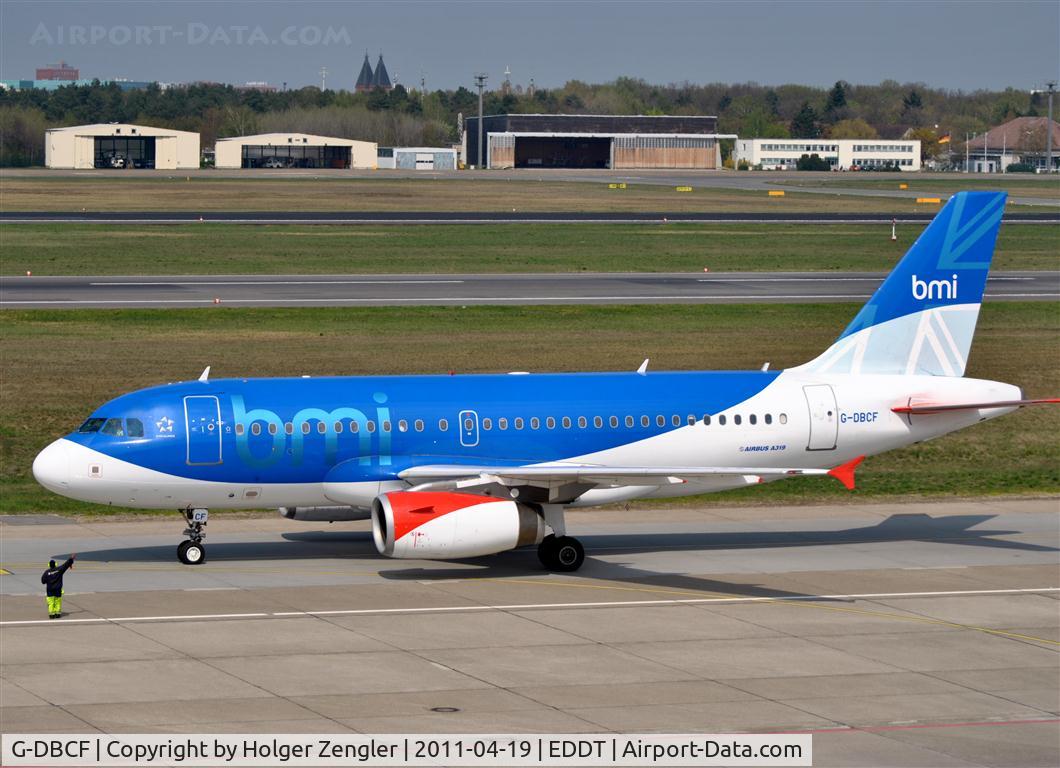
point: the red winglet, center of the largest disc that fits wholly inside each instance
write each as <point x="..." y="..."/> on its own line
<point x="844" y="473"/>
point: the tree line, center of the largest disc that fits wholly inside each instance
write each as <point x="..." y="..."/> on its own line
<point x="410" y="117"/>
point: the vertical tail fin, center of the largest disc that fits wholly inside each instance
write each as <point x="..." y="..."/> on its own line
<point x="922" y="318"/>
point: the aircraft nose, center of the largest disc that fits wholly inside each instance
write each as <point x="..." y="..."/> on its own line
<point x="52" y="466"/>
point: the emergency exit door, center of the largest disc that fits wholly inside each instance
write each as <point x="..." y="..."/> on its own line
<point x="824" y="419"/>
<point x="202" y="420"/>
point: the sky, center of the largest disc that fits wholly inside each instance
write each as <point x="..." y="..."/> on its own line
<point x="954" y="45"/>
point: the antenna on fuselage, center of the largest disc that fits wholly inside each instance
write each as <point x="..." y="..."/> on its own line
<point x="205" y="377"/>
<point x="643" y="367"/>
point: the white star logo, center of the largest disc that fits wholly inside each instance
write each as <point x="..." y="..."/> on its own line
<point x="165" y="424"/>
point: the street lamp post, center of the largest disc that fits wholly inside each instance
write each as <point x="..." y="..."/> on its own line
<point x="480" y="81"/>
<point x="1050" y="88"/>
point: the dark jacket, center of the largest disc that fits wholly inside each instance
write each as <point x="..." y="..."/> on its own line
<point x="53" y="577"/>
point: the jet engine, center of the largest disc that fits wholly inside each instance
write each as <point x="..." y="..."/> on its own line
<point x="446" y="526"/>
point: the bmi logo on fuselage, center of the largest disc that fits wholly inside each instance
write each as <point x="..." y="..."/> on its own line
<point x="934" y="289"/>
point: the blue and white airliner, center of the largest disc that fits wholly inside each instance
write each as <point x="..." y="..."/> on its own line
<point x="463" y="466"/>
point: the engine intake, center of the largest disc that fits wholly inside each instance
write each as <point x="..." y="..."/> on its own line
<point x="446" y="526"/>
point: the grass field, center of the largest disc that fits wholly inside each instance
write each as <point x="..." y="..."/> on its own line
<point x="97" y="249"/>
<point x="1017" y="184"/>
<point x="201" y="193"/>
<point x="59" y="366"/>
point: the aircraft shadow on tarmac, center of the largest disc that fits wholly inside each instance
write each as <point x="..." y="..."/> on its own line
<point x="345" y="544"/>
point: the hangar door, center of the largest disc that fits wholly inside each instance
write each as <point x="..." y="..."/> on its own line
<point x="295" y="156"/>
<point x="562" y="152"/>
<point x="124" y="152"/>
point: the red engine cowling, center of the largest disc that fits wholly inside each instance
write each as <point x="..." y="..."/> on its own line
<point x="444" y="526"/>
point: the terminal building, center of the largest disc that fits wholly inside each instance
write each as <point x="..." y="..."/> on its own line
<point x="120" y="145"/>
<point x="841" y="154"/>
<point x="293" y="150"/>
<point x="594" y="141"/>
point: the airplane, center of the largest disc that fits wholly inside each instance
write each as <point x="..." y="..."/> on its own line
<point x="450" y="467"/>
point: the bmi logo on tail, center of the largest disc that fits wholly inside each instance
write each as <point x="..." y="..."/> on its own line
<point x="934" y="289"/>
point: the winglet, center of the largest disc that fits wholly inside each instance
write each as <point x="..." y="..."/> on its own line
<point x="643" y="367"/>
<point x="844" y="473"/>
<point x="205" y="375"/>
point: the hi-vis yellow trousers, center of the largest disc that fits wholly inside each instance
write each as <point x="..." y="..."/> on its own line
<point x="55" y="605"/>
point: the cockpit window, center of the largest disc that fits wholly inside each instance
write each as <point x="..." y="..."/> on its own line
<point x="113" y="427"/>
<point x="91" y="425"/>
<point x="134" y="428"/>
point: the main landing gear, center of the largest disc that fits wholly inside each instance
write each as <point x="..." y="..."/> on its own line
<point x="558" y="551"/>
<point x="193" y="551"/>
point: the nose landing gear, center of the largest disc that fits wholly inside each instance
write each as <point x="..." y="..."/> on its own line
<point x="193" y="551"/>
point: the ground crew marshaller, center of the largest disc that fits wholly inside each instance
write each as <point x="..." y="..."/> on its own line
<point x="53" y="579"/>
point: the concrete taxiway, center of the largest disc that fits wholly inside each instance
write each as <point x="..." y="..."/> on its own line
<point x="479" y="289"/>
<point x="911" y="634"/>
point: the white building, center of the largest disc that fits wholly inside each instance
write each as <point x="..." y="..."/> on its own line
<point x="120" y="145"/>
<point x="293" y="150"/>
<point x="841" y="154"/>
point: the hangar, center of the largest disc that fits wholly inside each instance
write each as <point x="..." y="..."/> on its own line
<point x="293" y="150"/>
<point x="120" y="145"/>
<point x="595" y="141"/>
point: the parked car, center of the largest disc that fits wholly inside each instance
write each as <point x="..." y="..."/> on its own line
<point x="274" y="162"/>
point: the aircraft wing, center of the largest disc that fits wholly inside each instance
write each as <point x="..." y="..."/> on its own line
<point x="462" y="477"/>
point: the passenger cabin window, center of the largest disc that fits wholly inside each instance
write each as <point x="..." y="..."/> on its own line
<point x="783" y="418"/>
<point x="598" y="422"/>
<point x="468" y="425"/>
<point x="502" y="423"/>
<point x="487" y="424"/>
<point x="91" y="425"/>
<point x="272" y="428"/>
<point x="255" y="428"/>
<point x="355" y="427"/>
<point x="305" y="427"/>
<point x="769" y="418"/>
<point x="629" y="422"/>
<point x="613" y="421"/>
<point x="519" y="422"/>
<point x="443" y="425"/>
<point x="113" y="427"/>
<point x="566" y="422"/>
<point x="535" y="423"/>
<point x="403" y="426"/>
<point x="736" y="419"/>
<point x="338" y="427"/>
<point x="706" y="419"/>
<point x="289" y="428"/>
<point x="322" y="428"/>
<point x="676" y="420"/>
<point x="419" y="425"/>
<point x="550" y="423"/>
<point x="660" y="420"/>
<point x="645" y="421"/>
<point x="691" y="420"/>
<point x="721" y="420"/>
<point x="753" y="419"/>
<point x="370" y="425"/>
<point x="385" y="425"/>
<point x="582" y="422"/>
<point x="240" y="429"/>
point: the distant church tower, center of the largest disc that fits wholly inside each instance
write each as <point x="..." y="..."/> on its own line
<point x="365" y="79"/>
<point x="381" y="79"/>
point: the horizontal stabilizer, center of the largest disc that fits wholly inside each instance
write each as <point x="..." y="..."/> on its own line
<point x="924" y="409"/>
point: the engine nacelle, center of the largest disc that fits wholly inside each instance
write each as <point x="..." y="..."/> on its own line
<point x="324" y="514"/>
<point x="446" y="526"/>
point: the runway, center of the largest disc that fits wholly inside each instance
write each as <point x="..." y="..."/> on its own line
<point x="478" y="289"/>
<point x="476" y="217"/>
<point x="897" y="634"/>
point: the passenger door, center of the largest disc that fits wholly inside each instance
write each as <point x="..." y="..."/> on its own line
<point x="202" y="420"/>
<point x="824" y="421"/>
<point x="468" y="429"/>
